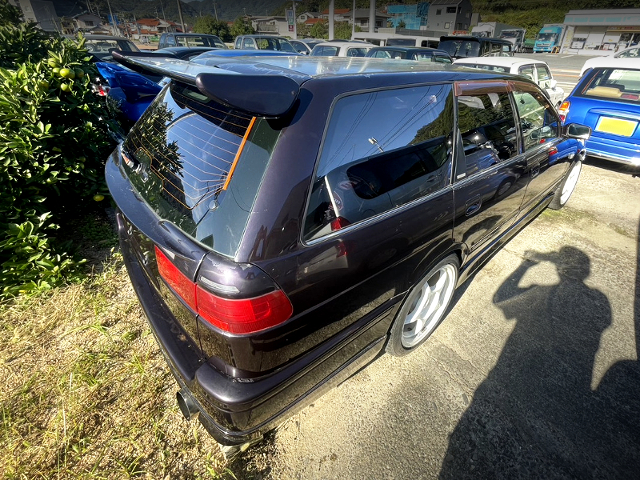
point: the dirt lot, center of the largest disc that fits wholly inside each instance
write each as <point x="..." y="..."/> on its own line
<point x="534" y="374"/>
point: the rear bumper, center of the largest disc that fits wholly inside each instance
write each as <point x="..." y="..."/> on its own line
<point x="234" y="410"/>
<point x="614" y="151"/>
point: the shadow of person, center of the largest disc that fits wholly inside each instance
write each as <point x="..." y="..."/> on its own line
<point x="619" y="395"/>
<point x="535" y="415"/>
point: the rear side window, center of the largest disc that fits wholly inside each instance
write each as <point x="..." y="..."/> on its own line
<point x="324" y="51"/>
<point x="381" y="150"/>
<point x="356" y="52"/>
<point x="198" y="164"/>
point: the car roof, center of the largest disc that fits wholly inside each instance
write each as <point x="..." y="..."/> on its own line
<point x="499" y="61"/>
<point x="303" y="67"/>
<point x="634" y="47"/>
<point x="400" y="48"/>
<point x="193" y="34"/>
<point x="237" y="52"/>
<point x="229" y="80"/>
<point x="346" y="43"/>
<point x="255" y="35"/>
<point x="477" y="39"/>
<point x="628" y="63"/>
<point x="181" y="50"/>
<point x="100" y="37"/>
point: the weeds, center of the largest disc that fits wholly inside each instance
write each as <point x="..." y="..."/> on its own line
<point x="85" y="393"/>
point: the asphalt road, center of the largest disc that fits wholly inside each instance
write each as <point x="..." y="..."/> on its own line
<point x="533" y="374"/>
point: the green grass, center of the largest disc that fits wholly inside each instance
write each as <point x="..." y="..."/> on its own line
<point x="85" y="392"/>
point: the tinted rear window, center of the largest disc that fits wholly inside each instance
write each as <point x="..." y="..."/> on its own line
<point x="179" y="158"/>
<point x="461" y="48"/>
<point x="614" y="84"/>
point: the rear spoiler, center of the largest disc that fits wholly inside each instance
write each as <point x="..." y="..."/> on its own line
<point x="268" y="94"/>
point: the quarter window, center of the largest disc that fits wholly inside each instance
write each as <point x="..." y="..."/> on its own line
<point x="381" y="150"/>
<point x="538" y="119"/>
<point x="488" y="129"/>
<point x="527" y="71"/>
<point x="544" y="76"/>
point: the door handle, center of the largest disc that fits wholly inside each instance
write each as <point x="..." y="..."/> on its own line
<point x="472" y="206"/>
<point x="535" y="171"/>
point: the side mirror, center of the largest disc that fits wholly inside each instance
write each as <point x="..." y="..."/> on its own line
<point x="553" y="83"/>
<point x="575" y="130"/>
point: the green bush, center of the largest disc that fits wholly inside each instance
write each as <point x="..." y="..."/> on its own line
<point x="55" y="135"/>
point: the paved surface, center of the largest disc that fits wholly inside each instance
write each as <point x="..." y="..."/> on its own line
<point x="534" y="373"/>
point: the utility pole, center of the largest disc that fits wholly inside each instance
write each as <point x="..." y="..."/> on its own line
<point x="332" y="8"/>
<point x="161" y="9"/>
<point x="353" y="19"/>
<point x="215" y="10"/>
<point x="372" y="16"/>
<point x="113" y="21"/>
<point x="184" y="30"/>
<point x="295" y="22"/>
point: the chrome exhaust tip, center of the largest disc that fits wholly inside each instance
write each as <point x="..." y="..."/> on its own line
<point x="187" y="404"/>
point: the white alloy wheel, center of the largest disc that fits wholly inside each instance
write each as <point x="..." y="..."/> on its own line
<point x="427" y="305"/>
<point x="570" y="183"/>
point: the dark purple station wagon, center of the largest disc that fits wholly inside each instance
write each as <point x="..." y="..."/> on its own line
<point x="285" y="220"/>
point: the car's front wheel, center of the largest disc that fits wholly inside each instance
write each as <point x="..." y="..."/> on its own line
<point x="567" y="186"/>
<point x="424" y="308"/>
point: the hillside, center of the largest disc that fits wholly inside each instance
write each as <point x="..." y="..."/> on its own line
<point x="530" y="14"/>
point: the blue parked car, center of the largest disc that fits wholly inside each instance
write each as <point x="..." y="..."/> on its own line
<point x="132" y="91"/>
<point x="607" y="99"/>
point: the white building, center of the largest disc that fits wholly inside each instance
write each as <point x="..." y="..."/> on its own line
<point x="274" y="25"/>
<point x="598" y="32"/>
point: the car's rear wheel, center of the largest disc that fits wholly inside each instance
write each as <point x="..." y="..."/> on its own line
<point x="566" y="188"/>
<point x="424" y="308"/>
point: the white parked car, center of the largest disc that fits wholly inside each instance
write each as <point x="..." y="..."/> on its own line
<point x="535" y="70"/>
<point x="337" y="48"/>
<point x="630" y="54"/>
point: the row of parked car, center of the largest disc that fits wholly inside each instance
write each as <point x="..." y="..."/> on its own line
<point x="287" y="218"/>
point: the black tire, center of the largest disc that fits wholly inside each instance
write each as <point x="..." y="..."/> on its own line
<point x="434" y="291"/>
<point x="567" y="186"/>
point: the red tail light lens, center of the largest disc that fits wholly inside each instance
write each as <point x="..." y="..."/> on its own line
<point x="182" y="285"/>
<point x="564" y="110"/>
<point x="244" y="315"/>
<point x="247" y="315"/>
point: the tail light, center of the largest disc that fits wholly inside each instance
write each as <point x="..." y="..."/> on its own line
<point x="564" y="110"/>
<point x="339" y="223"/>
<point x="240" y="316"/>
<point x="100" y="89"/>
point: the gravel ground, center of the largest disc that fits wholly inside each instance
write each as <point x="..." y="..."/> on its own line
<point x="534" y="373"/>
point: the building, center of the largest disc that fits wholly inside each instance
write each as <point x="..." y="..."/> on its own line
<point x="306" y="16"/>
<point x="362" y="19"/>
<point x="339" y="15"/>
<point x="41" y="12"/>
<point x="414" y="17"/>
<point x="87" y="21"/>
<point x="273" y="25"/>
<point x="598" y="32"/>
<point x="452" y="16"/>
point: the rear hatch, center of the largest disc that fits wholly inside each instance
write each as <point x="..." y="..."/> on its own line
<point x="610" y="104"/>
<point x="185" y="181"/>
